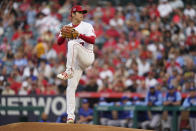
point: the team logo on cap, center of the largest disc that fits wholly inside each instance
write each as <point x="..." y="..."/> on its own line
<point x="74" y="9"/>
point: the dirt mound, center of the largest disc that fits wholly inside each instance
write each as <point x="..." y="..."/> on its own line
<point x="37" y="126"/>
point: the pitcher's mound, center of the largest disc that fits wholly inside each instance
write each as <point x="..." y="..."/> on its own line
<point x="37" y="126"/>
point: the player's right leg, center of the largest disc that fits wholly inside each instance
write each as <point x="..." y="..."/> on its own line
<point x="70" y="121"/>
<point x="70" y="93"/>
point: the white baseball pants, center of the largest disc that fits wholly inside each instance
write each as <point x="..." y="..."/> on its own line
<point x="78" y="59"/>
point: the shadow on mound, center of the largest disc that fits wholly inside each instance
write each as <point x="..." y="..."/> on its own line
<point x="36" y="126"/>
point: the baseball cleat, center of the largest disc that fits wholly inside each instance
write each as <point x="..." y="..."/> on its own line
<point x="68" y="74"/>
<point x="70" y="121"/>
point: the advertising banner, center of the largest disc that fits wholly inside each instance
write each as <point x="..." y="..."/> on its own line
<point x="54" y="106"/>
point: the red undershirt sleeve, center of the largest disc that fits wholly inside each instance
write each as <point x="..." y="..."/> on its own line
<point x="60" y="40"/>
<point x="88" y="39"/>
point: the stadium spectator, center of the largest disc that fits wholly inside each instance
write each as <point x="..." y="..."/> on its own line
<point x="8" y="90"/>
<point x="44" y="118"/>
<point x="91" y="85"/>
<point x="137" y="101"/>
<point x="62" y="87"/>
<point x="191" y="28"/>
<point x="153" y="98"/>
<point x="121" y="118"/>
<point x="62" y="118"/>
<point x="189" y="102"/>
<point x="164" y="8"/>
<point x="172" y="98"/>
<point x="150" y="80"/>
<point x="2" y="83"/>
<point x="176" y="4"/>
<point x="24" y="89"/>
<point x="189" y="12"/>
<point x="117" y="21"/>
<point x="85" y="113"/>
<point x="143" y="65"/>
<point x="105" y="116"/>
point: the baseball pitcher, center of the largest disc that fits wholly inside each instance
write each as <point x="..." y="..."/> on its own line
<point x="80" y="37"/>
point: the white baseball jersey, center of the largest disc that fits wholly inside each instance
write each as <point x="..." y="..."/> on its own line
<point x="85" y="29"/>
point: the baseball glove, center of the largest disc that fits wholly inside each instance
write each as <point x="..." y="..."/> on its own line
<point x="69" y="32"/>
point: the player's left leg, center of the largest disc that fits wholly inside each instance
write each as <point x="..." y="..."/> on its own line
<point x="86" y="59"/>
<point x="76" y="53"/>
<point x="71" y="59"/>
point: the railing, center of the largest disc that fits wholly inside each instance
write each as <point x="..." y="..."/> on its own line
<point x="115" y="95"/>
<point x="135" y="109"/>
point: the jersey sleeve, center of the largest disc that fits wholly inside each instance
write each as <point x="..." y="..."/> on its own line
<point x="146" y="99"/>
<point x="178" y="96"/>
<point x="186" y="103"/>
<point x="90" y="31"/>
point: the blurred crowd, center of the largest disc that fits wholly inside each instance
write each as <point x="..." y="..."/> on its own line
<point x="153" y="44"/>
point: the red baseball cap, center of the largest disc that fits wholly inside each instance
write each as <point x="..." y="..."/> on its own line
<point x="78" y="8"/>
